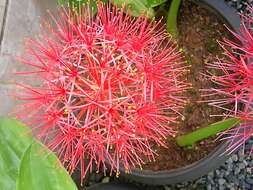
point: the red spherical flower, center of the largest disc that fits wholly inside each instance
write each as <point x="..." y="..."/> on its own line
<point x="109" y="87"/>
<point x="239" y="135"/>
<point x="234" y="82"/>
<point x="245" y="45"/>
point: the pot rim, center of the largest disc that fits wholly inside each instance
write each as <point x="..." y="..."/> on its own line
<point x="112" y="186"/>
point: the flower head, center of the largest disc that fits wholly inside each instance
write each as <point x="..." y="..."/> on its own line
<point x="233" y="77"/>
<point x="109" y="87"/>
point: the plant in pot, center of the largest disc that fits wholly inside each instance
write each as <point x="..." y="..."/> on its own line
<point x="109" y="87"/>
<point x="111" y="91"/>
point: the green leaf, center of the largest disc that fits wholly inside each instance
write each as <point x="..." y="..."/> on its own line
<point x="74" y="4"/>
<point x="155" y="3"/>
<point x="61" y="2"/>
<point x="41" y="170"/>
<point x="137" y="7"/>
<point x="191" y="138"/>
<point x="15" y="138"/>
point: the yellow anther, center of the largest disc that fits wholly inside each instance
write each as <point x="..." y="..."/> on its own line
<point x="131" y="107"/>
<point x="66" y="111"/>
<point x="66" y="69"/>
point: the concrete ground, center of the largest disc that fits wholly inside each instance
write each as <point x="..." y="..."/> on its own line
<point x="18" y="19"/>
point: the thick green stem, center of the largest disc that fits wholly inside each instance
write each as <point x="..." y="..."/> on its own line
<point x="171" y="24"/>
<point x="190" y="139"/>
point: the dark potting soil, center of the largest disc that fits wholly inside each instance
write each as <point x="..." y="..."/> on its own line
<point x="199" y="30"/>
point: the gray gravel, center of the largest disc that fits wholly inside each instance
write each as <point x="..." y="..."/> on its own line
<point x="240" y="5"/>
<point x="235" y="174"/>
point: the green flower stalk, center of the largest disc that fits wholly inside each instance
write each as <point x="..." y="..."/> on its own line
<point x="171" y="24"/>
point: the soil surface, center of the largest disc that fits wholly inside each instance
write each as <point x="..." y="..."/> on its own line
<point x="199" y="30"/>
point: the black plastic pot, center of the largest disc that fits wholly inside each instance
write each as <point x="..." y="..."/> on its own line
<point x="112" y="186"/>
<point x="215" y="158"/>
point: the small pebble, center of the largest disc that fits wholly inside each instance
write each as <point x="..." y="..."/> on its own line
<point x="230" y="167"/>
<point x="237" y="170"/>
<point x="229" y="161"/>
<point x="217" y="172"/>
<point x="105" y="180"/>
<point x="221" y="181"/>
<point x="167" y="188"/>
<point x="235" y="158"/>
<point x="247" y="186"/>
<point x="249" y="170"/>
<point x="249" y="181"/>
<point x="241" y="165"/>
